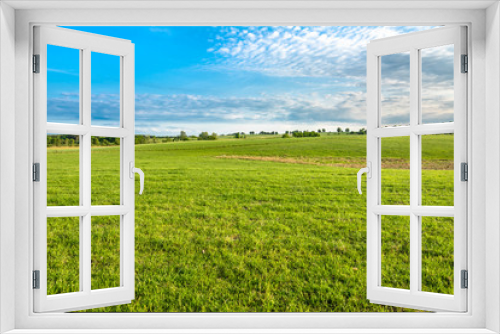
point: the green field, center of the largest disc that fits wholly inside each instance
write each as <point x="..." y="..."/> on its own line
<point x="262" y="224"/>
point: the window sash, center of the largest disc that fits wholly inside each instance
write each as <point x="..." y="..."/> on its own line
<point x="414" y="298"/>
<point x="86" y="298"/>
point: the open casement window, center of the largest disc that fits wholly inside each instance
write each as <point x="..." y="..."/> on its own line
<point x="416" y="144"/>
<point x="84" y="206"/>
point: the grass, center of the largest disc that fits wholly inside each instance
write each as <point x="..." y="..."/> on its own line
<point x="254" y="225"/>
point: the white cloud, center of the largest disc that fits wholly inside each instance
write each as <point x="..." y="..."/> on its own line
<point x="192" y="113"/>
<point x="299" y="51"/>
<point x="338" y="54"/>
<point x="168" y="114"/>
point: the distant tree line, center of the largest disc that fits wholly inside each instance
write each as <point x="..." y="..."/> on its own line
<point x="263" y="133"/>
<point x="147" y="139"/>
<point x="71" y="140"/>
<point x="206" y="136"/>
<point x="62" y="140"/>
<point x="361" y="131"/>
<point x="300" y="134"/>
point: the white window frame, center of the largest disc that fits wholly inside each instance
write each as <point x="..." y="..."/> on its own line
<point x="483" y="249"/>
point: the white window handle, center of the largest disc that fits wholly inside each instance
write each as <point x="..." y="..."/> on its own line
<point x="134" y="170"/>
<point x="368" y="171"/>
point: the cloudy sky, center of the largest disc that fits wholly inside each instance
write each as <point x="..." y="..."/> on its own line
<point x="228" y="79"/>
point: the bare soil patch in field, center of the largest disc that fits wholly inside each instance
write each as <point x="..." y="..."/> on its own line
<point x="346" y="162"/>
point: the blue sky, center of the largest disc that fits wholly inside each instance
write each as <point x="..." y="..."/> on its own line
<point x="228" y="79"/>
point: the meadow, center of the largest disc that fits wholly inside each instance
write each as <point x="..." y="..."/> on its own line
<point x="261" y="224"/>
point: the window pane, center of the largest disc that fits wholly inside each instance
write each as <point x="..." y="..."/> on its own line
<point x="105" y="89"/>
<point x="63" y="170"/>
<point x="395" y="89"/>
<point x="105" y="171"/>
<point x="395" y="163"/>
<point x="63" y="85"/>
<point x="437" y="169"/>
<point x="396" y="252"/>
<point x="105" y="252"/>
<point x="63" y="255"/>
<point x="437" y="254"/>
<point x="437" y="84"/>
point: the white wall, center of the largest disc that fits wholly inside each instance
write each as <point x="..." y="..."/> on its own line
<point x="7" y="160"/>
<point x="492" y="163"/>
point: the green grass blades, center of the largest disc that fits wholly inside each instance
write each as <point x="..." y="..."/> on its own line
<point x="261" y="224"/>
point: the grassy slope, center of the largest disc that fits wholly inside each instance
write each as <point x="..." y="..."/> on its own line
<point x="217" y="235"/>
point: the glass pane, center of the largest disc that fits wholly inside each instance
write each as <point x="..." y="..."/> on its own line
<point x="63" y="85"/>
<point x="437" y="169"/>
<point x="63" y="170"/>
<point x="105" y="89"/>
<point x="105" y="252"/>
<point x="395" y="89"/>
<point x="437" y="84"/>
<point x="105" y="171"/>
<point x="437" y="254"/>
<point x="395" y="162"/>
<point x="63" y="255"/>
<point x="396" y="252"/>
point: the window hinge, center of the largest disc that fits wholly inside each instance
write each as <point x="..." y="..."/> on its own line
<point x="36" y="172"/>
<point x="465" y="279"/>
<point x="464" y="171"/>
<point x="36" y="63"/>
<point x="36" y="279"/>
<point x="465" y="64"/>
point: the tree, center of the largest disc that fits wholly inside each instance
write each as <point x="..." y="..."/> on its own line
<point x="347" y="130"/>
<point x="323" y="130"/>
<point x="139" y="139"/>
<point x="319" y="130"/>
<point x="183" y="136"/>
<point x="203" y="136"/>
<point x="339" y="130"/>
<point x="213" y="136"/>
